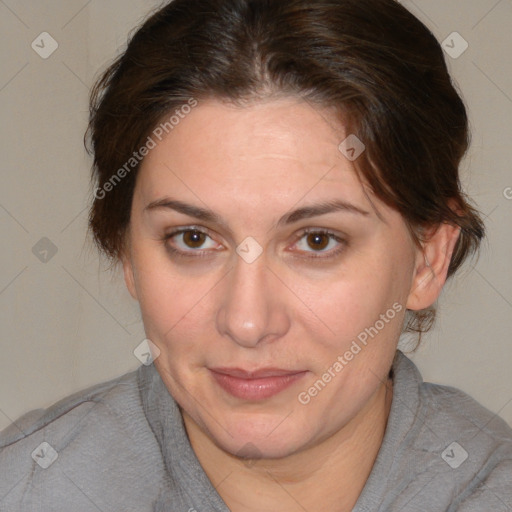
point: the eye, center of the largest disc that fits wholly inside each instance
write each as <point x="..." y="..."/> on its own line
<point x="187" y="241"/>
<point x="320" y="241"/>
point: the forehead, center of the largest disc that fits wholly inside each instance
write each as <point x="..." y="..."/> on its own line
<point x="268" y="154"/>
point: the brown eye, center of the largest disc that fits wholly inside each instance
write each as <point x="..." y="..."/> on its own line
<point x="319" y="244"/>
<point x="318" y="241"/>
<point x="194" y="239"/>
<point x="189" y="242"/>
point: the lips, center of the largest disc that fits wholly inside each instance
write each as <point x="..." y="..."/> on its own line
<point x="255" y="385"/>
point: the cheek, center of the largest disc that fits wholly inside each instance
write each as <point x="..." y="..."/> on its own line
<point x="356" y="302"/>
<point x="173" y="306"/>
<point x="364" y="311"/>
<point x="365" y="314"/>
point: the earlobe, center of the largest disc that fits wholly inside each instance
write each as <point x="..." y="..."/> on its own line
<point x="432" y="263"/>
<point x="129" y="277"/>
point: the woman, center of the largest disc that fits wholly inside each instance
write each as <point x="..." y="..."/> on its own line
<point x="279" y="180"/>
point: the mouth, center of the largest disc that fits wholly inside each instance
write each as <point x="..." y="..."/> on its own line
<point x="255" y="385"/>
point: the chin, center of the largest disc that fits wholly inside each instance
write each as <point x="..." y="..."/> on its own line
<point x="262" y="437"/>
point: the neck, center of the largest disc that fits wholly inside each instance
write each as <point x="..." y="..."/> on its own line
<point x="327" y="476"/>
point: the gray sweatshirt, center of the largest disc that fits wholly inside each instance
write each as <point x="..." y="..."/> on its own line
<point x="121" y="446"/>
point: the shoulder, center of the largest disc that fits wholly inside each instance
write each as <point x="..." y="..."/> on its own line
<point x="64" y="453"/>
<point x="480" y="453"/>
<point x="462" y="449"/>
<point x="109" y="393"/>
<point x="453" y="410"/>
<point x="455" y="414"/>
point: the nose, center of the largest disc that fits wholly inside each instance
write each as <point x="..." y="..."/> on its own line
<point x="253" y="308"/>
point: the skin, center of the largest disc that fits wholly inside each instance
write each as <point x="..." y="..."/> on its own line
<point x="252" y="165"/>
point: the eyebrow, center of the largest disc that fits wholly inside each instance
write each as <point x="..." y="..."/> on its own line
<point x="306" y="212"/>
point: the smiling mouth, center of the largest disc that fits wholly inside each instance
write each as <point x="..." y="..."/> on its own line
<point x="257" y="385"/>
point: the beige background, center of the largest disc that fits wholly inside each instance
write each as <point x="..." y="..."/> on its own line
<point x="67" y="324"/>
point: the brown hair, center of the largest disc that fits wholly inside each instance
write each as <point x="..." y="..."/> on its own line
<point x="370" y="59"/>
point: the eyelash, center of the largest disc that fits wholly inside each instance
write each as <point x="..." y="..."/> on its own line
<point x="204" y="253"/>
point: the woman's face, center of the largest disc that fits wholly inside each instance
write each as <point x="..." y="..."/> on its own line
<point x="273" y="283"/>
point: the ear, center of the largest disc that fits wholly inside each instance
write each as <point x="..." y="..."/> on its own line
<point x="432" y="262"/>
<point x="129" y="274"/>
